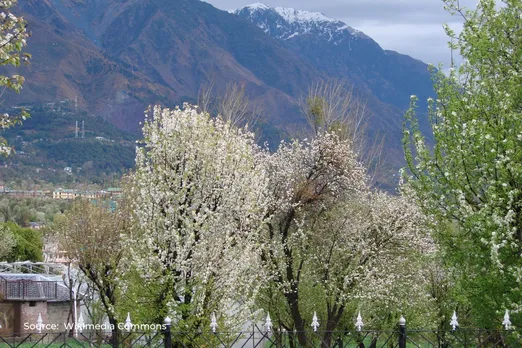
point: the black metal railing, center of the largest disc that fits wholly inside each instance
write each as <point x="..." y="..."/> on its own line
<point x="28" y="290"/>
<point x="256" y="337"/>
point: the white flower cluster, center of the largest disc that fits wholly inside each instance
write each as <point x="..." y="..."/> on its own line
<point x="200" y="201"/>
<point x="13" y="38"/>
<point x="221" y="218"/>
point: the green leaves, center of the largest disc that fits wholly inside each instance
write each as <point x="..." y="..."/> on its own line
<point x="28" y="243"/>
<point x="13" y="38"/>
<point x="472" y="174"/>
<point x="8" y="241"/>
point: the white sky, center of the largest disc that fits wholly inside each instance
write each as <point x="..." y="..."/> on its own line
<point x="412" y="27"/>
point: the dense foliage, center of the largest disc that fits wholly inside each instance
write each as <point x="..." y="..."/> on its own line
<point x="470" y="182"/>
<point x="45" y="144"/>
<point x="226" y="227"/>
<point x="28" y="243"/>
<point x="24" y="211"/>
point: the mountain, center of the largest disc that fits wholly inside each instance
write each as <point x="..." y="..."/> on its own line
<point x="342" y="51"/>
<point x="113" y="58"/>
<point x="67" y="64"/>
<point x="384" y="79"/>
<point x="48" y="142"/>
<point x="119" y="56"/>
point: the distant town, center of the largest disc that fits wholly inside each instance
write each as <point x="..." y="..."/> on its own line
<point x="62" y="194"/>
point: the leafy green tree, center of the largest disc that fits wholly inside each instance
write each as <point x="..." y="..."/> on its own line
<point x="470" y="181"/>
<point x="8" y="242"/>
<point x="29" y="244"/>
<point x="92" y="235"/>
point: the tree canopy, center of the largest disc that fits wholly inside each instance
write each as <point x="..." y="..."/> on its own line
<point x="226" y="227"/>
<point x="26" y="243"/>
<point x="470" y="180"/>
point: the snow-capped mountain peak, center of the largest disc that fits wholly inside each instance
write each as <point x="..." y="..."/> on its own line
<point x="288" y="23"/>
<point x="257" y="6"/>
<point x="292" y="15"/>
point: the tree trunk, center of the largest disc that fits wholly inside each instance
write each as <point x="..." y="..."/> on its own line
<point x="115" y="331"/>
<point x="293" y="301"/>
<point x="328" y="333"/>
<point x="333" y="317"/>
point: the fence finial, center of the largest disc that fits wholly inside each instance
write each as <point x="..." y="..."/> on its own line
<point x="39" y="323"/>
<point x="167" y="321"/>
<point x="128" y="323"/>
<point x="268" y="323"/>
<point x="80" y="323"/>
<point x="359" y="323"/>
<point x="402" y="321"/>
<point x="315" y="322"/>
<point x="213" y="322"/>
<point x="506" y="322"/>
<point x="454" y="323"/>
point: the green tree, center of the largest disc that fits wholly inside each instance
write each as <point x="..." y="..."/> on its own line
<point x="13" y="36"/>
<point x="8" y="241"/>
<point x="470" y="181"/>
<point x="92" y="234"/>
<point x="28" y="243"/>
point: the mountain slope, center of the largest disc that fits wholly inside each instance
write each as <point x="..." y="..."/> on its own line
<point x="116" y="57"/>
<point x="384" y="79"/>
<point x="68" y="65"/>
<point x="339" y="50"/>
<point x="119" y="56"/>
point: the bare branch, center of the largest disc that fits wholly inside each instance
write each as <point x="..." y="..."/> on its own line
<point x="331" y="105"/>
<point x="235" y="107"/>
<point x="206" y="97"/>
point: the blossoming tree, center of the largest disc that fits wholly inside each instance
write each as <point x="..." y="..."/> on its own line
<point x="13" y="36"/>
<point x="224" y="223"/>
<point x="200" y="199"/>
<point x="470" y="181"/>
<point x="330" y="238"/>
<point x="8" y="242"/>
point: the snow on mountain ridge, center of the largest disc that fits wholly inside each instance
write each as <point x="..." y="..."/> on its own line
<point x="292" y="23"/>
<point x="258" y="6"/>
<point x="292" y="15"/>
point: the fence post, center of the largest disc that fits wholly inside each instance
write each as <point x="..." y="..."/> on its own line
<point x="115" y="337"/>
<point x="168" y="335"/>
<point x="402" y="332"/>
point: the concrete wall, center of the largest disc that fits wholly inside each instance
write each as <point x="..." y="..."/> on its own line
<point x="30" y="311"/>
<point x="58" y="312"/>
<point x="19" y="317"/>
<point x="7" y="318"/>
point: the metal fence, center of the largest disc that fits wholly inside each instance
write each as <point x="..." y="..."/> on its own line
<point x="84" y="339"/>
<point x="256" y="337"/>
<point x="28" y="289"/>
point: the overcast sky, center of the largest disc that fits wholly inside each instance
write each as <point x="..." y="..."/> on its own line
<point x="412" y="27"/>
